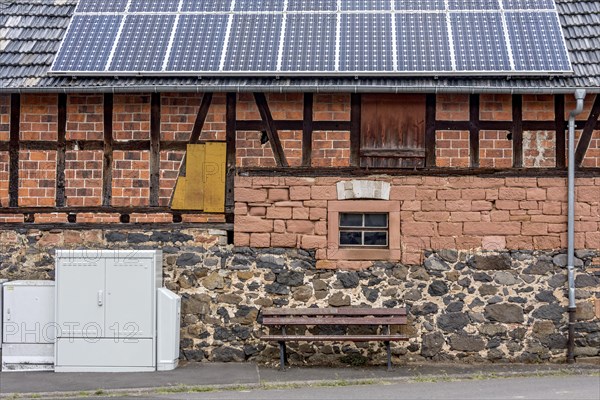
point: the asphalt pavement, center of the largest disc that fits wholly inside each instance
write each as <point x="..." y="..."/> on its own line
<point x="208" y="379"/>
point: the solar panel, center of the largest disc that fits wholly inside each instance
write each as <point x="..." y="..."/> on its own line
<point x="417" y="52"/>
<point x="309" y="49"/>
<point x="98" y="6"/>
<point x="314" y="37"/>
<point x="259" y="5"/>
<point x="90" y="52"/>
<point x="372" y="49"/>
<point x="198" y="43"/>
<point x="470" y="5"/>
<point x="312" y="5"/>
<point x="535" y="38"/>
<point x="206" y="5"/>
<point x="478" y="44"/>
<point x="419" y="5"/>
<point x="154" y="6"/>
<point x="529" y="5"/>
<point x="251" y="46"/>
<point x="365" y="5"/>
<point x="143" y="43"/>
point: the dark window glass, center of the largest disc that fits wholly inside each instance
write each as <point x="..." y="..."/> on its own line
<point x="351" y="220"/>
<point x="349" y="238"/>
<point x="375" y="238"/>
<point x="376" y="220"/>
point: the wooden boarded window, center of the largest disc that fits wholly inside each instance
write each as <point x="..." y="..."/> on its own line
<point x="392" y="131"/>
<point x="203" y="187"/>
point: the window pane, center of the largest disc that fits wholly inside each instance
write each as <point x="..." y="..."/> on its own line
<point x="375" y="238"/>
<point x="348" y="238"/>
<point x="351" y="219"/>
<point x="376" y="220"/>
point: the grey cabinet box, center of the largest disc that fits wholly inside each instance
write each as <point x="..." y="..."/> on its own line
<point x="106" y="309"/>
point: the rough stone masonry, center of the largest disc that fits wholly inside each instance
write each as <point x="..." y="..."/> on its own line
<point x="470" y="306"/>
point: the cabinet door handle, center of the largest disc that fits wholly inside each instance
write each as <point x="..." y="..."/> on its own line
<point x="100" y="298"/>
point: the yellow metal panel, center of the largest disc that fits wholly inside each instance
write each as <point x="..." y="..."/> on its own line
<point x="214" y="177"/>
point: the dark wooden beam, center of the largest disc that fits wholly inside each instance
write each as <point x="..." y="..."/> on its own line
<point x="13" y="153"/>
<point x="107" y="165"/>
<point x="265" y="114"/>
<point x="230" y="159"/>
<point x="355" y="124"/>
<point x="307" y="130"/>
<point x="61" y="149"/>
<point x="293" y="125"/>
<point x="560" y="126"/>
<point x="474" y="129"/>
<point x="155" y="110"/>
<point x="586" y="134"/>
<point x="196" y="130"/>
<point x="97" y="209"/>
<point x="517" y="130"/>
<point x="201" y="117"/>
<point x="397" y="172"/>
<point x="430" y="136"/>
<point x="149" y="226"/>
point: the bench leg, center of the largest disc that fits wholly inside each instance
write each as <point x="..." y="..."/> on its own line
<point x="282" y="356"/>
<point x="389" y="355"/>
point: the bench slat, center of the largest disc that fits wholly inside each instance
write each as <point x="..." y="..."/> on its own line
<point x="334" y="320"/>
<point x="335" y="338"/>
<point x="333" y="311"/>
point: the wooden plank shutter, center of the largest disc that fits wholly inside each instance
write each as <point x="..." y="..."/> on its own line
<point x="203" y="187"/>
<point x="392" y="131"/>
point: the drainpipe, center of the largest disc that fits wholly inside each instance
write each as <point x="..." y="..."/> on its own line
<point x="579" y="96"/>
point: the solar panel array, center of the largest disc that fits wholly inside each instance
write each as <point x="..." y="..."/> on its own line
<point x="313" y="37"/>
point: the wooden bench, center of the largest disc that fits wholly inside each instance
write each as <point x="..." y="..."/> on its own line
<point x="382" y="317"/>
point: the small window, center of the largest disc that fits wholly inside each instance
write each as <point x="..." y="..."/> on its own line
<point x="363" y="230"/>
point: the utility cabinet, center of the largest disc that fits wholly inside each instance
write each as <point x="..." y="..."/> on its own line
<point x="28" y="328"/>
<point x="2" y="282"/>
<point x="106" y="310"/>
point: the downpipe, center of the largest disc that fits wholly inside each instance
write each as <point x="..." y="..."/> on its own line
<point x="579" y="97"/>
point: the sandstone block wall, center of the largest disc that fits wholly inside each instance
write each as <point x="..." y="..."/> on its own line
<point x="470" y="306"/>
<point x="464" y="213"/>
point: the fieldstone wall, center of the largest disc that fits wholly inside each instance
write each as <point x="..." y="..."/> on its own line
<point x="503" y="306"/>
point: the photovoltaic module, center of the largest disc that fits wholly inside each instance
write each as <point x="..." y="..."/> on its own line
<point x="314" y="38"/>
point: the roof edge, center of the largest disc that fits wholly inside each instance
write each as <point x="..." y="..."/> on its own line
<point x="297" y="89"/>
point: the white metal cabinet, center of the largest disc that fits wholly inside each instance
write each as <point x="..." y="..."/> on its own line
<point x="168" y="313"/>
<point x="112" y="299"/>
<point x="29" y="330"/>
<point x="2" y="281"/>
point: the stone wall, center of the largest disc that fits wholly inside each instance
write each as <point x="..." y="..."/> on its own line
<point x="471" y="306"/>
<point x="462" y="212"/>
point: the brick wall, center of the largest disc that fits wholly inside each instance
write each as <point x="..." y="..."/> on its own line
<point x="495" y="150"/>
<point x="538" y="107"/>
<point x="83" y="178"/>
<point x="39" y="117"/>
<point x="4" y="117"/>
<point x="131" y="117"/>
<point x="131" y="178"/>
<point x="539" y="149"/>
<point x="170" y="164"/>
<point x="37" y="178"/>
<point x="463" y="213"/>
<point x="4" y="171"/>
<point x="85" y="117"/>
<point x="495" y="107"/>
<point x="4" y="136"/>
<point x="452" y="149"/>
